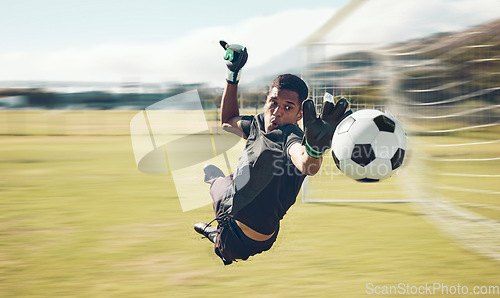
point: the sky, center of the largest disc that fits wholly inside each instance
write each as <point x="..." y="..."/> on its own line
<point x="177" y="41"/>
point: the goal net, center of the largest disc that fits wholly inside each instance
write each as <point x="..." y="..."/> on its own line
<point x="445" y="91"/>
<point x="448" y="88"/>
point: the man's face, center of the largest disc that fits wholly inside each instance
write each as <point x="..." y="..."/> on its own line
<point x="282" y="107"/>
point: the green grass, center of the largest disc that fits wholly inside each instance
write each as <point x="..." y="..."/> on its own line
<point x="79" y="220"/>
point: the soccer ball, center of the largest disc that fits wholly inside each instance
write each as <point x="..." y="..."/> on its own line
<point x="369" y="145"/>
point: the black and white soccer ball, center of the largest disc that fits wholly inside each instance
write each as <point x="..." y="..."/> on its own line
<point x="369" y="145"/>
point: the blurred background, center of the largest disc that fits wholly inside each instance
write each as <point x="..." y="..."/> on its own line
<point x="78" y="218"/>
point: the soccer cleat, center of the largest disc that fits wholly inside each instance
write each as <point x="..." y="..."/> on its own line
<point x="206" y="230"/>
<point x="211" y="172"/>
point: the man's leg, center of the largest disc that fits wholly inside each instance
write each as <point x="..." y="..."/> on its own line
<point x="212" y="175"/>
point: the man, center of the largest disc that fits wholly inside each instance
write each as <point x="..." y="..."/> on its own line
<point x="250" y="203"/>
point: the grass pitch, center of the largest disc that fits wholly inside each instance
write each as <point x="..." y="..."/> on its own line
<point x="79" y="220"/>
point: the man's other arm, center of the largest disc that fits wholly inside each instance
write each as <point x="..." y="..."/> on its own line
<point x="306" y="164"/>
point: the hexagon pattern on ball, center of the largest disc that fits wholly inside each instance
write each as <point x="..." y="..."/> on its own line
<point x="345" y="125"/>
<point x="369" y="146"/>
<point x="343" y="146"/>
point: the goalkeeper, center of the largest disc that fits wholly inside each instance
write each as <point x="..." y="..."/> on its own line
<point x="250" y="203"/>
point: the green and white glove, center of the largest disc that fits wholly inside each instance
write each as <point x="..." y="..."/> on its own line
<point x="318" y="131"/>
<point x="236" y="56"/>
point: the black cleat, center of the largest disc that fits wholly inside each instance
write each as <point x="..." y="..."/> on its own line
<point x="211" y="172"/>
<point x="206" y="230"/>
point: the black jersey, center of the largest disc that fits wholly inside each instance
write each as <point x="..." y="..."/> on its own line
<point x="266" y="182"/>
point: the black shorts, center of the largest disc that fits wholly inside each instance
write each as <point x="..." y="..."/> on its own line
<point x="231" y="243"/>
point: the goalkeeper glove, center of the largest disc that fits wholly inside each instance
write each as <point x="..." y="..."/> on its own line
<point x="236" y="56"/>
<point x="318" y="131"/>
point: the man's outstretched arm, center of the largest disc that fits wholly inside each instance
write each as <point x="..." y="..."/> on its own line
<point x="318" y="132"/>
<point x="229" y="111"/>
<point x="236" y="57"/>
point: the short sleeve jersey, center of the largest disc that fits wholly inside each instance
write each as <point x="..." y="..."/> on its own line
<point x="266" y="182"/>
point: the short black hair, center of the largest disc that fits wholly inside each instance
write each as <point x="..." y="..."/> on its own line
<point x="293" y="83"/>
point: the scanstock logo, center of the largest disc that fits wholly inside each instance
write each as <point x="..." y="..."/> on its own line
<point x="173" y="137"/>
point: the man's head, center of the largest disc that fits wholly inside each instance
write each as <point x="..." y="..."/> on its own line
<point x="284" y="101"/>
